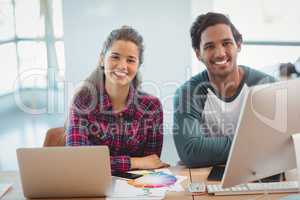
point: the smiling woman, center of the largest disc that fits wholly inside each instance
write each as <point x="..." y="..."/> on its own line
<point x="109" y="109"/>
<point x="121" y="63"/>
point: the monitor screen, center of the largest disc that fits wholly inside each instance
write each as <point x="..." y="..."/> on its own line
<point x="262" y="145"/>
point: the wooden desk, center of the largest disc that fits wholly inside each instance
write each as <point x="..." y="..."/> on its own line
<point x="15" y="193"/>
<point x="200" y="174"/>
<point x="197" y="175"/>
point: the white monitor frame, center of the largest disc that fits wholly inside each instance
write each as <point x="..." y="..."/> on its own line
<point x="263" y="143"/>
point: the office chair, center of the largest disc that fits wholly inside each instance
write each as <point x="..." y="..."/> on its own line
<point x="55" y="137"/>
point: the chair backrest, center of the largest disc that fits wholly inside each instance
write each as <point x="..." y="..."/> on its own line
<point x="55" y="137"/>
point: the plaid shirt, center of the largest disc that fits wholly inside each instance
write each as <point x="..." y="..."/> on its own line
<point x="134" y="132"/>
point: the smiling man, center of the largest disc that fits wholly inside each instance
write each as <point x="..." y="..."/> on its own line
<point x="207" y="107"/>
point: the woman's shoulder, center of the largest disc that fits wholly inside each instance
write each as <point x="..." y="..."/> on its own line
<point x="85" y="99"/>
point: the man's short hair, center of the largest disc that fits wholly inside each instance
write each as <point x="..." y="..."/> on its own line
<point x="211" y="19"/>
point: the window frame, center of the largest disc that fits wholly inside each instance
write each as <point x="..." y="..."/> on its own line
<point x="49" y="39"/>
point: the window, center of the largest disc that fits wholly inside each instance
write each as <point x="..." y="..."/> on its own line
<point x="270" y="31"/>
<point x="31" y="42"/>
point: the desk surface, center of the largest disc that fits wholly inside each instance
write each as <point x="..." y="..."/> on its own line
<point x="197" y="175"/>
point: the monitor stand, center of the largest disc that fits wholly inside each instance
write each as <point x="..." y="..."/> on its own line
<point x="296" y="141"/>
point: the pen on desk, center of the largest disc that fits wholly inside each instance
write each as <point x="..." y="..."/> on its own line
<point x="191" y="180"/>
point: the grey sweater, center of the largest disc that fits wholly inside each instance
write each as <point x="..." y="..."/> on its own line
<point x="195" y="148"/>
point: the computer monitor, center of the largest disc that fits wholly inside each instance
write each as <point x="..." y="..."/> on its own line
<point x="263" y="144"/>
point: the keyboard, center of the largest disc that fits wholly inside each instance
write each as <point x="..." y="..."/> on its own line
<point x="255" y="188"/>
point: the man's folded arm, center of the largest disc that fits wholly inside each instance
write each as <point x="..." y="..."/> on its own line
<point x="194" y="149"/>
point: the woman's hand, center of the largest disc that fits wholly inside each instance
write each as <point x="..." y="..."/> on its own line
<point x="147" y="162"/>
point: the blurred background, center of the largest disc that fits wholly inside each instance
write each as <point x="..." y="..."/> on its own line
<point x="47" y="47"/>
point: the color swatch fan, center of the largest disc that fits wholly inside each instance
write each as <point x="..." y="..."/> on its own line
<point x="154" y="180"/>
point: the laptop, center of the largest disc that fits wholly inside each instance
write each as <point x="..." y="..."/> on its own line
<point x="53" y="172"/>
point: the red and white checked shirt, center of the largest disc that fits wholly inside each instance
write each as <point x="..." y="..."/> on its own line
<point x="134" y="132"/>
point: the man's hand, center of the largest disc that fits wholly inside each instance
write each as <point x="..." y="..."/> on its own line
<point x="147" y="162"/>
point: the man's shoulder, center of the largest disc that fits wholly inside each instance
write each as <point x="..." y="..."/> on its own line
<point x="256" y="77"/>
<point x="198" y="82"/>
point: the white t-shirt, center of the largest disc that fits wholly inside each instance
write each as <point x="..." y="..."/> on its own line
<point x="221" y="117"/>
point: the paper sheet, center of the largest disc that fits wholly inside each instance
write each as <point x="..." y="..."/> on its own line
<point x="173" y="188"/>
<point x="177" y="186"/>
<point x="123" y="190"/>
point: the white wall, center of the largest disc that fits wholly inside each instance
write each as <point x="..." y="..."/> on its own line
<point x="197" y="8"/>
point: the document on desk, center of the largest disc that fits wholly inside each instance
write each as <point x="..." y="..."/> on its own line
<point x="4" y="188"/>
<point x="122" y="190"/>
<point x="171" y="188"/>
<point x="175" y="187"/>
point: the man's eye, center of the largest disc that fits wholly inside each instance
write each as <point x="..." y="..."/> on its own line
<point x="209" y="47"/>
<point x="227" y="43"/>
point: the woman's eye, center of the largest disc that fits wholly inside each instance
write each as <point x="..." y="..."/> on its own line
<point x="115" y="57"/>
<point x="131" y="61"/>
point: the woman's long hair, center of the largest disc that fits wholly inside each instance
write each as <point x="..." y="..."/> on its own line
<point x="95" y="81"/>
<point x="125" y="33"/>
